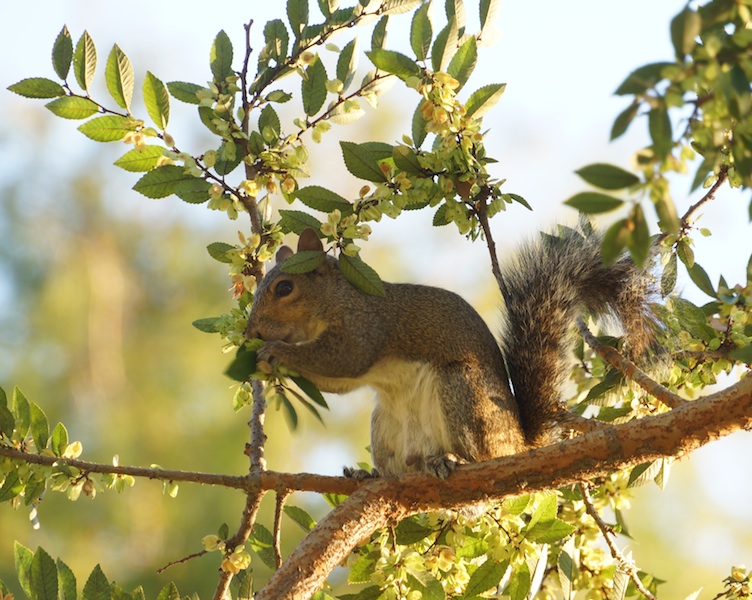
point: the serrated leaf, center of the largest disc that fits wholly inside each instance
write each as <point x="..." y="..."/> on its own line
<point x="157" y="100"/>
<point x="140" y="160"/>
<point x="59" y="439"/>
<point x="409" y="531"/>
<point x="320" y="198"/>
<point x="361" y="162"/>
<point x="218" y="251"/>
<point x="269" y="124"/>
<point x="7" y="422"/>
<point x="73" y="107"/>
<point x="160" y="182"/>
<point x="278" y="96"/>
<point x="483" y="99"/>
<point x="398" y="7"/>
<point x="421" y="33"/>
<point x="519" y="583"/>
<point x="607" y="177"/>
<point x="119" y="77"/>
<point x="418" y="127"/>
<point x="43" y="576"/>
<point x="37" y="87"/>
<point x="297" y="15"/>
<point x="243" y="365"/>
<point x="485" y="577"/>
<point x="169" y="592"/>
<point x="593" y="203"/>
<point x="378" y="37"/>
<point x="22" y="557"/>
<point x="488" y="10"/>
<point x="62" y="53"/>
<point x="700" y="278"/>
<point x="405" y="159"/>
<point x="300" y="517"/>
<point x="444" y="46"/>
<point x="644" y="473"/>
<point x="194" y="190"/>
<point x="463" y="62"/>
<point x="659" y="126"/>
<point x="313" y="87"/>
<point x="66" y="581"/>
<point x="549" y="532"/>
<point x="184" y="91"/>
<point x="85" y="60"/>
<point x="668" y="277"/>
<point x="97" y="587"/>
<point x="12" y="486"/>
<point x="642" y="78"/>
<point x="220" y="57"/>
<point x="276" y="41"/>
<point x="20" y="409"/>
<point x="207" y="324"/>
<point x="361" y="275"/>
<point x="347" y="63"/>
<point x="108" y="128"/>
<point x="308" y="388"/>
<point x="295" y="221"/>
<point x="304" y="261"/>
<point x="395" y="63"/>
<point x="623" y="120"/>
<point x="261" y="540"/>
<point x="40" y="428"/>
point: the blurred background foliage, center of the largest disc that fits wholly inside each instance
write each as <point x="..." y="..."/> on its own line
<point x="98" y="287"/>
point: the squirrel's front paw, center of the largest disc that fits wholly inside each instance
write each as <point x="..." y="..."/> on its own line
<point x="443" y="466"/>
<point x="269" y="354"/>
<point x="359" y="474"/>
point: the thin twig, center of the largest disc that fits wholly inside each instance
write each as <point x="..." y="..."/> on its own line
<point x="180" y="561"/>
<point x="627" y="566"/>
<point x="628" y="368"/>
<point x="281" y="497"/>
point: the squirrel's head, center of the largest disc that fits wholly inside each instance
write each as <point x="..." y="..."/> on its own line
<point x="289" y="306"/>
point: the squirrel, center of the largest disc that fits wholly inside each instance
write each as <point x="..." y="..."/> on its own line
<point x="442" y="380"/>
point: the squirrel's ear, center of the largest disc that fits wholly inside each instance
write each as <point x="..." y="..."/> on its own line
<point x="283" y="254"/>
<point x="308" y="240"/>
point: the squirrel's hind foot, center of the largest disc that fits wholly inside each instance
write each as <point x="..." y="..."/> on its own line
<point x="360" y="474"/>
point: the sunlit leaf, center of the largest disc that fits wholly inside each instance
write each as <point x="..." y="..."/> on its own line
<point x="62" y="53"/>
<point x="73" y="107"/>
<point x="483" y="99"/>
<point x="157" y="100"/>
<point x="108" y="128"/>
<point x="313" y="87"/>
<point x="84" y="60"/>
<point x="37" y="87"/>
<point x="607" y="177"/>
<point x="119" y="77"/>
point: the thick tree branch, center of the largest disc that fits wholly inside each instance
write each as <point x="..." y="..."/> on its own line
<point x="383" y="501"/>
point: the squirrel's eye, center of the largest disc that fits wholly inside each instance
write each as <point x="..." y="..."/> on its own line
<point x="284" y="288"/>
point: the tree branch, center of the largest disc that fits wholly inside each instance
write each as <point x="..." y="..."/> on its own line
<point x="383" y="501"/>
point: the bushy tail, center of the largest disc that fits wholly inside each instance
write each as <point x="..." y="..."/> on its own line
<point x="548" y="284"/>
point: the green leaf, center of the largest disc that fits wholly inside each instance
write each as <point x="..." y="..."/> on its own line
<point x="614" y="241"/>
<point x="519" y="584"/>
<point x="313" y="87"/>
<point x="394" y="63"/>
<point x="593" y="203"/>
<point x="140" y="160"/>
<point x="421" y="33"/>
<point x="455" y="11"/>
<point x="488" y="11"/>
<point x="743" y="354"/>
<point x="278" y="96"/>
<point x="220" y="57"/>
<point x="463" y="63"/>
<point x="361" y="275"/>
<point x="276" y="41"/>
<point x="169" y="592"/>
<point x="12" y="486"/>
<point x="549" y="532"/>
<point x="218" y="251"/>
<point x="43" y="576"/>
<point x="405" y="159"/>
<point x="157" y="100"/>
<point x="608" y="177"/>
<point x="37" y="87"/>
<point x="85" y="61"/>
<point x="483" y="99"/>
<point x="685" y="253"/>
<point x="486" y="576"/>
<point x="295" y="221"/>
<point x="668" y="278"/>
<point x="685" y="28"/>
<point x="20" y="409"/>
<point x="659" y="126"/>
<point x="40" y="429"/>
<point x="108" y="128"/>
<point x="300" y="516"/>
<point x="639" y="239"/>
<point x="66" y="581"/>
<point x="119" y="77"/>
<point x="7" y="422"/>
<point x="62" y="53"/>
<point x="97" y="587"/>
<point x="243" y="365"/>
<point x="262" y="541"/>
<point x="409" y="531"/>
<point x="378" y="37"/>
<point x="642" y="79"/>
<point x="303" y="262"/>
<point x="59" y="439"/>
<point x="308" y="388"/>
<point x="160" y="182"/>
<point x="418" y="127"/>
<point x="398" y="7"/>
<point x="23" y="557"/>
<point x="73" y="107"/>
<point x="269" y="124"/>
<point x="347" y="63"/>
<point x="207" y="324"/>
<point x="194" y="190"/>
<point x="360" y="161"/>
<point x="668" y="218"/>
<point x="700" y="278"/>
<point x="444" y="46"/>
<point x="320" y="198"/>
<point x="297" y="15"/>
<point x="625" y="118"/>
<point x="184" y="91"/>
